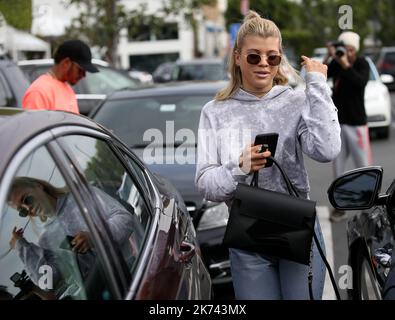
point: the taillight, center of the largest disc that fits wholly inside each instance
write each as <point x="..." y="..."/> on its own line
<point x="386" y="66"/>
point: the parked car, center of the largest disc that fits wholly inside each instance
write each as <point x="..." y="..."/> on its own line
<point x="142" y="77"/>
<point x="195" y="69"/>
<point x="13" y="84"/>
<point x="385" y="62"/>
<point x="377" y="101"/>
<point x="370" y="233"/>
<point x="93" y="88"/>
<point x="63" y="175"/>
<point x="163" y="72"/>
<point x="136" y="114"/>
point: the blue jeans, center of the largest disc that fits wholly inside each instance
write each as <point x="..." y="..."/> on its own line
<point x="257" y="276"/>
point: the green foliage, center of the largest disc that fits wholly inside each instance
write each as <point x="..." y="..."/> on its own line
<point x="18" y="13"/>
<point x="99" y="24"/>
<point x="312" y="23"/>
<point x="189" y="9"/>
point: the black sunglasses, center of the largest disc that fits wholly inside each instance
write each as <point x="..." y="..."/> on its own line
<point x="27" y="201"/>
<point x="272" y="59"/>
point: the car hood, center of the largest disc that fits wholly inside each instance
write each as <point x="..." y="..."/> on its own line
<point x="181" y="175"/>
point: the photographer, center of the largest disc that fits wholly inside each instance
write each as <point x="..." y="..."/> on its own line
<point x="350" y="74"/>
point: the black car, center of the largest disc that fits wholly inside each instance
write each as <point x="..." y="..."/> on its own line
<point x="13" y="84"/>
<point x="385" y="61"/>
<point x="92" y="89"/>
<point x="82" y="218"/>
<point x="191" y="70"/>
<point x="160" y="124"/>
<point x="370" y="233"/>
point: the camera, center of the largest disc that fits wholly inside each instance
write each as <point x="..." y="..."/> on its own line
<point x="339" y="47"/>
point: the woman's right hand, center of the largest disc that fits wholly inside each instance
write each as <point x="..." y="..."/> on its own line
<point x="252" y="160"/>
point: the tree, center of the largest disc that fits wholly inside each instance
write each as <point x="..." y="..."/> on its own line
<point x="99" y="23"/>
<point x="308" y="24"/>
<point x="385" y="21"/>
<point x="284" y="13"/>
<point x="190" y="10"/>
<point x="17" y="13"/>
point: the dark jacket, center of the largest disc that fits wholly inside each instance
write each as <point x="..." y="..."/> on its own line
<point x="349" y="91"/>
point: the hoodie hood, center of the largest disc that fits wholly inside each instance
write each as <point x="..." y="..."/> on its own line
<point x="242" y="95"/>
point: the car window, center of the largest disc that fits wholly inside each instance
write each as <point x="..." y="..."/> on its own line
<point x="136" y="120"/>
<point x="106" y="81"/>
<point x="389" y="58"/>
<point x="126" y="212"/>
<point x="40" y="222"/>
<point x="199" y="72"/>
<point x="103" y="82"/>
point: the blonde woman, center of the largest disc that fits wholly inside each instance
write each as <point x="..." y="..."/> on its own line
<point x="258" y="100"/>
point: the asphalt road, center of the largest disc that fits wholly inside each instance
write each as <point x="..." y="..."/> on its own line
<point x="321" y="175"/>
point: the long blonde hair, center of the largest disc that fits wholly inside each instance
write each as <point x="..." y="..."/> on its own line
<point x="253" y="24"/>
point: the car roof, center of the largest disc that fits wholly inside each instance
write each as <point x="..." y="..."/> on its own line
<point x="17" y="126"/>
<point x="172" y="88"/>
<point x="44" y="62"/>
<point x="199" y="61"/>
<point x="388" y="49"/>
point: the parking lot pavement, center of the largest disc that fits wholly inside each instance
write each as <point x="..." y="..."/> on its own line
<point x="323" y="216"/>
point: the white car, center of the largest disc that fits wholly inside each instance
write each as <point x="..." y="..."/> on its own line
<point x="377" y="103"/>
<point x="377" y="100"/>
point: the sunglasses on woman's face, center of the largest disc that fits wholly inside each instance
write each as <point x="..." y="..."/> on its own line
<point x="272" y="59"/>
<point x="27" y="200"/>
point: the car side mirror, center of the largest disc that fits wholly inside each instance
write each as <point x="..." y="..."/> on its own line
<point x="387" y="78"/>
<point x="356" y="189"/>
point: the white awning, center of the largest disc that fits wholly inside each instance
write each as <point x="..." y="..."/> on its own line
<point x="23" y="41"/>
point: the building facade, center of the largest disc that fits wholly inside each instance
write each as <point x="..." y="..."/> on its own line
<point x="147" y="48"/>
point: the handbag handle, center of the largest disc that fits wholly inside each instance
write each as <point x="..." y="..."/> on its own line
<point x="291" y="188"/>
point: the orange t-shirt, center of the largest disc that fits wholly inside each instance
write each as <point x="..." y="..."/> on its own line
<point x="49" y="93"/>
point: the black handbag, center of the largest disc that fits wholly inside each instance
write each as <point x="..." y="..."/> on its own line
<point x="273" y="223"/>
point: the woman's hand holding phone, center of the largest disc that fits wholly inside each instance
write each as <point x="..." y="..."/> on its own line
<point x="252" y="159"/>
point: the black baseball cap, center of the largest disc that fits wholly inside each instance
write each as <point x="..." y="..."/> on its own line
<point x="78" y="52"/>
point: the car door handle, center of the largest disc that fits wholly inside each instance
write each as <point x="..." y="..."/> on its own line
<point x="188" y="251"/>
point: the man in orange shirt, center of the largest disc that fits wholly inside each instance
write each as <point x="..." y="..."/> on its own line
<point x="52" y="91"/>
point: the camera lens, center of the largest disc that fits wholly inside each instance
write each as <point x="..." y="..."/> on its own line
<point x="340" y="51"/>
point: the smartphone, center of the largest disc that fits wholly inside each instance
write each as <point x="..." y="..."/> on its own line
<point x="268" y="142"/>
<point x="66" y="243"/>
<point x="15" y="277"/>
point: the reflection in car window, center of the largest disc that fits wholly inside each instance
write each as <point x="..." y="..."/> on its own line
<point x="131" y="118"/>
<point x="38" y="227"/>
<point x="104" y="171"/>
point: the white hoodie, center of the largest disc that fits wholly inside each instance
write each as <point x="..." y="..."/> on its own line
<point x="306" y="122"/>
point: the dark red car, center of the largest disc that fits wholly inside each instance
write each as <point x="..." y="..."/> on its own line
<point x="82" y="218"/>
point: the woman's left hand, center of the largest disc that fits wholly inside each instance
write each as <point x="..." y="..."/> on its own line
<point x="314" y="66"/>
<point x="16" y="235"/>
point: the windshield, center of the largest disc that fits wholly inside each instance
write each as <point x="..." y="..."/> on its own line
<point x="131" y="118"/>
<point x="107" y="81"/>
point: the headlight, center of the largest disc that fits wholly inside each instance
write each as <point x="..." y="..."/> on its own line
<point x="216" y="215"/>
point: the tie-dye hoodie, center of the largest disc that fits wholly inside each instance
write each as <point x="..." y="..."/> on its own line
<point x="306" y="121"/>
